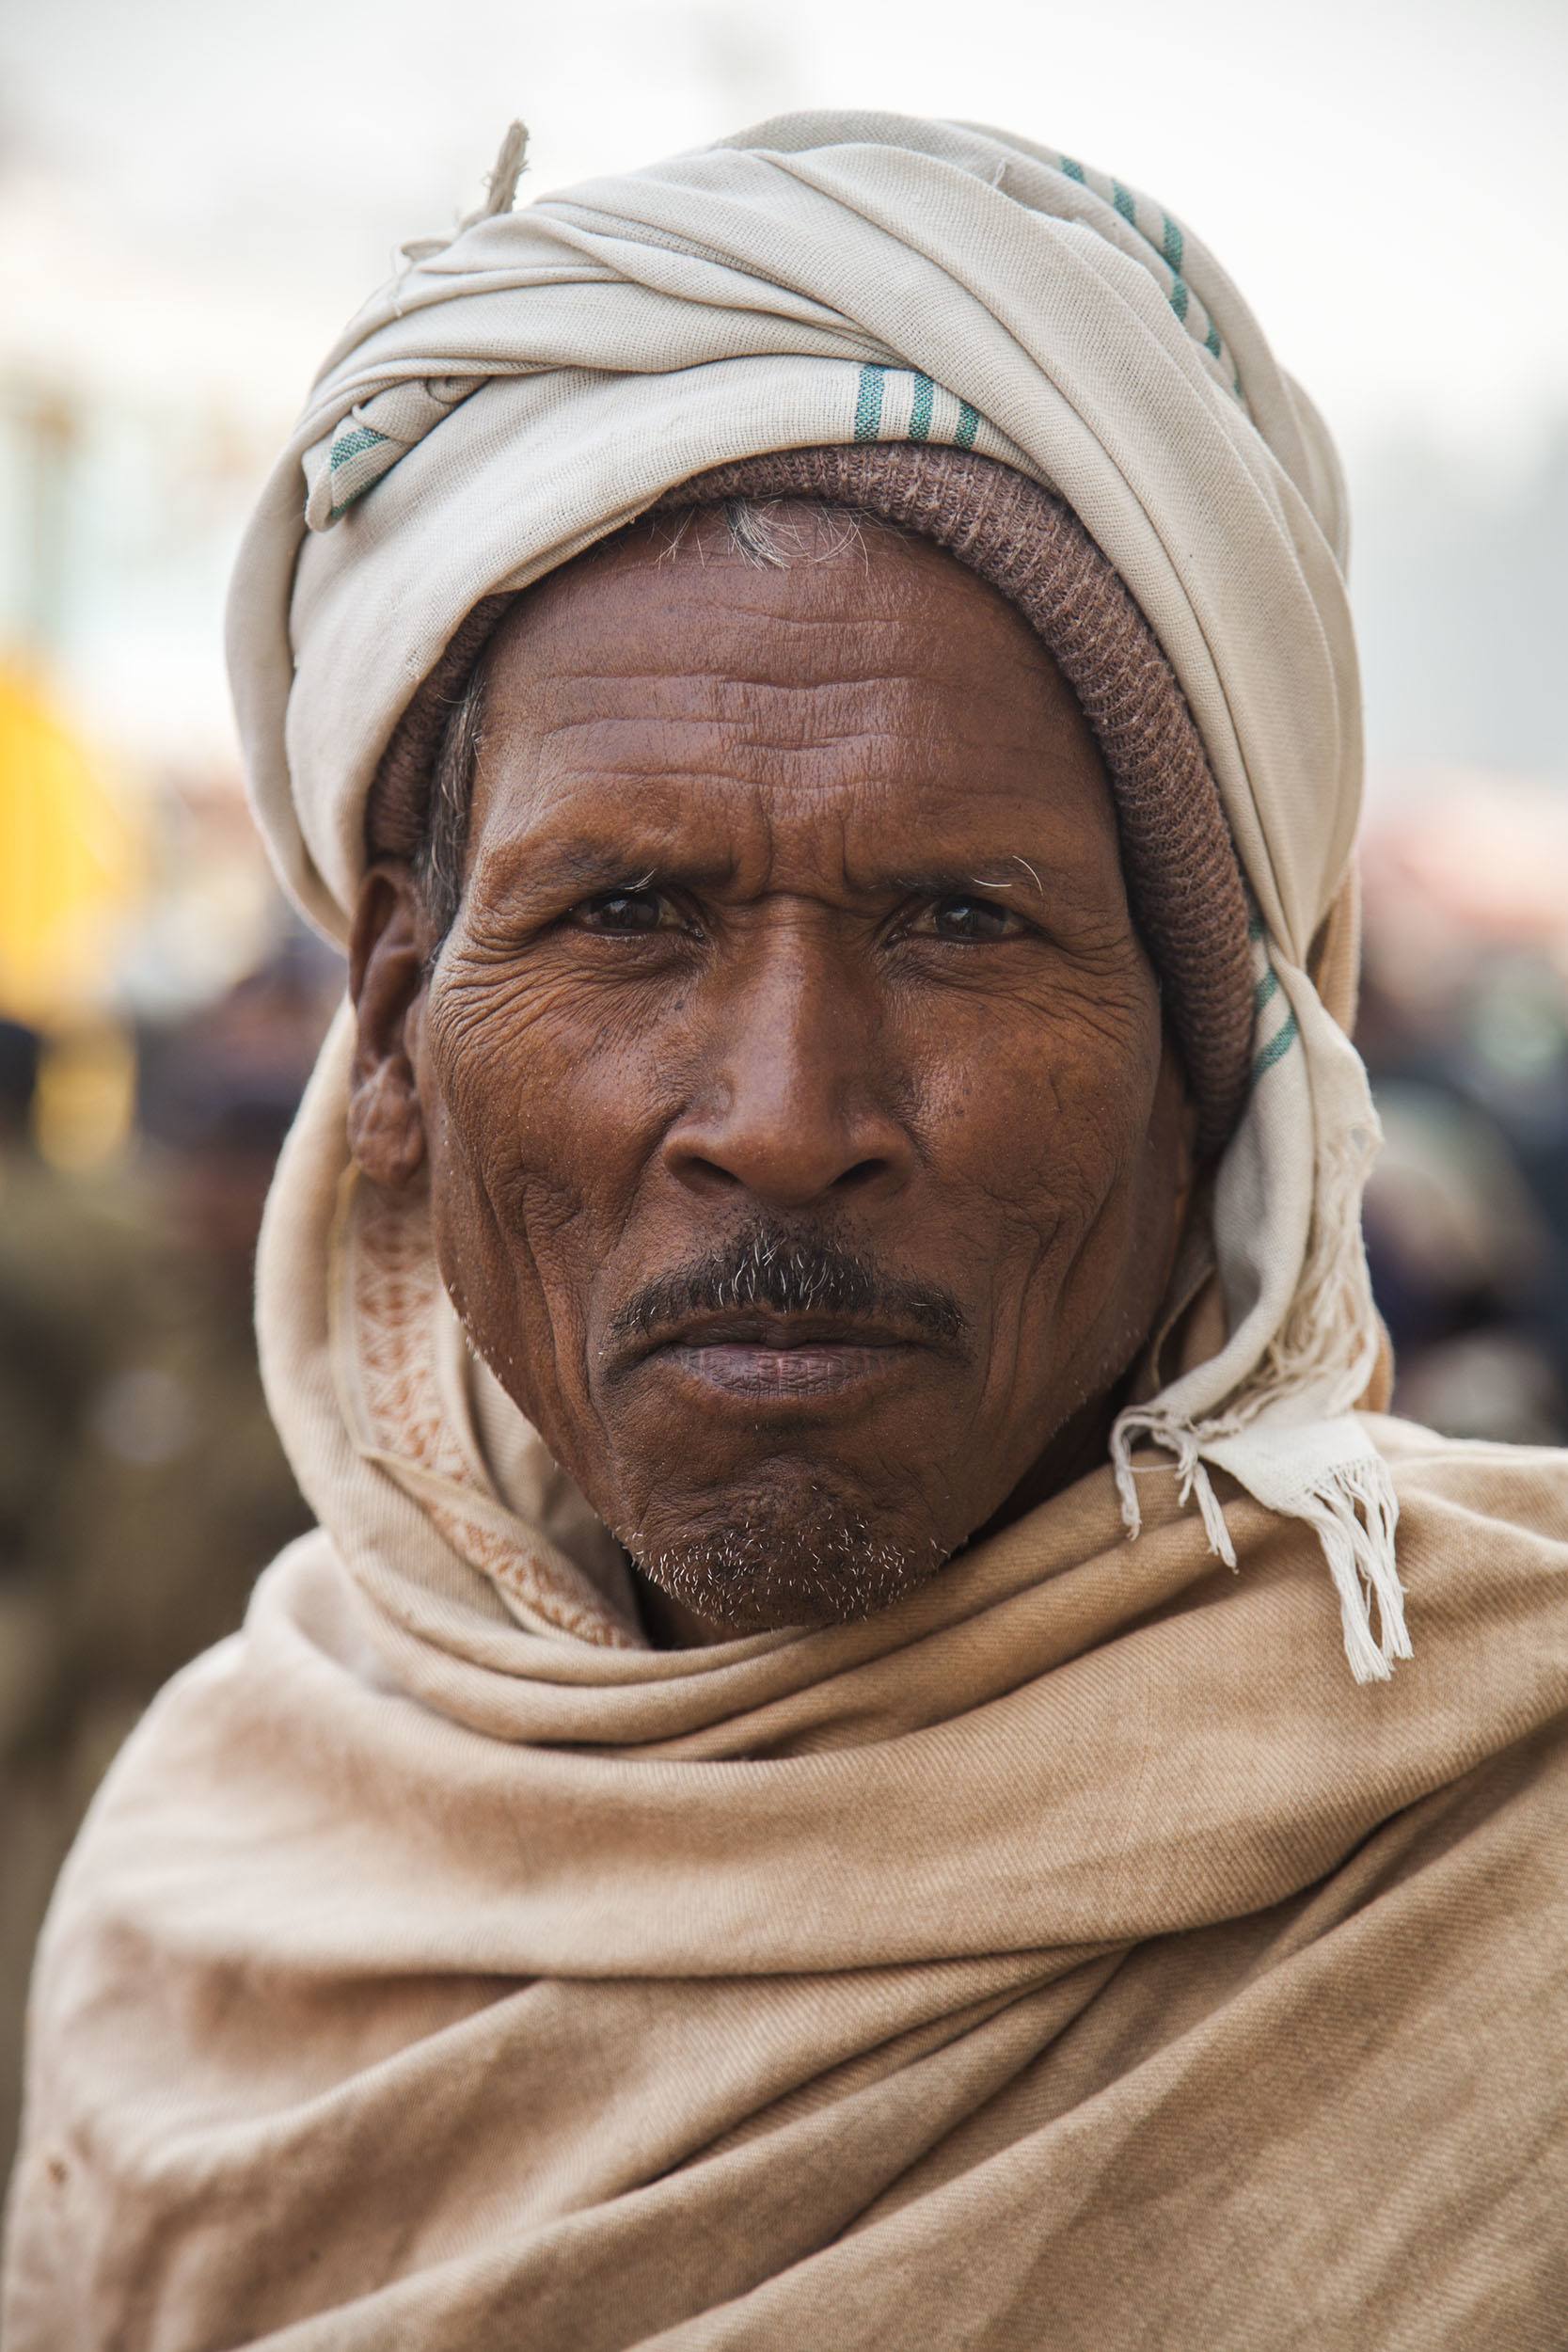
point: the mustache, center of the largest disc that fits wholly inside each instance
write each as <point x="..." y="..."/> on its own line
<point x="767" y="1266"/>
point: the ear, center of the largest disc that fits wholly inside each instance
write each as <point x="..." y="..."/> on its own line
<point x="387" y="955"/>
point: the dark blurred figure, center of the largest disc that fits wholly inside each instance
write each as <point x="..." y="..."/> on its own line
<point x="1466" y="1215"/>
<point x="142" y="1486"/>
<point x="40" y="1381"/>
<point x="1466" y="1271"/>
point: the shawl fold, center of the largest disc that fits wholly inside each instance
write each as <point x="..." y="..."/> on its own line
<point x="1073" y="1956"/>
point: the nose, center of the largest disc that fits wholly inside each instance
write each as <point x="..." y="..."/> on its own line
<point x="795" y="1101"/>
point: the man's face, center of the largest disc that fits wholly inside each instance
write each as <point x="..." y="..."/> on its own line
<point x="804" y="1155"/>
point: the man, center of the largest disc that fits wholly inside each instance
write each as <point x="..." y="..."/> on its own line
<point x="816" y="682"/>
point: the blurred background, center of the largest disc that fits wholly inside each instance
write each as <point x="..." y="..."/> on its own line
<point x="191" y="202"/>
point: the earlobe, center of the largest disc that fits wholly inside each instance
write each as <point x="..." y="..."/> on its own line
<point x="386" y="1122"/>
<point x="385" y="1130"/>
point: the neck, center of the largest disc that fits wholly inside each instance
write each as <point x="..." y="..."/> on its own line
<point x="1080" y="1446"/>
<point x="668" y="1623"/>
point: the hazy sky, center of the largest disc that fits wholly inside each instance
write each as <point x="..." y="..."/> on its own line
<point x="194" y="198"/>
<point x="1386" y="179"/>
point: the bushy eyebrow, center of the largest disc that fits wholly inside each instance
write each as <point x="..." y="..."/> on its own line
<point x="580" y="868"/>
<point x="943" y="884"/>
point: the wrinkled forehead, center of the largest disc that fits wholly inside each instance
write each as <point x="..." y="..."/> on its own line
<point x="803" y="651"/>
<point x="800" y="589"/>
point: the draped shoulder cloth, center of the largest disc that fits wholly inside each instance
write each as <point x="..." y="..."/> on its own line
<point x="1076" y="1955"/>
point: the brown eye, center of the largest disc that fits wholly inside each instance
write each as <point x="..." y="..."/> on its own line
<point x="623" y="911"/>
<point x="971" y="920"/>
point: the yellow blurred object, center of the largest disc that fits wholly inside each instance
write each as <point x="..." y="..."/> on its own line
<point x="70" y="862"/>
<point x="86" y="1096"/>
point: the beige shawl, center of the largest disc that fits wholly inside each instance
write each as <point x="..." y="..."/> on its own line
<point x="1076" y="1955"/>
<point x="1073" y="1956"/>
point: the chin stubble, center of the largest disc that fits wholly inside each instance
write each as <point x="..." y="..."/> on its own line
<point x="769" y="1569"/>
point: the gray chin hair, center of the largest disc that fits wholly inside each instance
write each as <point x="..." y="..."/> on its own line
<point x="824" y="1567"/>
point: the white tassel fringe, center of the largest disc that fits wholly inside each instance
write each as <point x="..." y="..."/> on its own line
<point x="1354" y="1512"/>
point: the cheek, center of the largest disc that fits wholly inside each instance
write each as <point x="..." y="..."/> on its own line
<point x="513" y="1085"/>
<point x="1045" y="1129"/>
<point x="540" y="1129"/>
<point x="507" y="1190"/>
<point x="1043" y="1113"/>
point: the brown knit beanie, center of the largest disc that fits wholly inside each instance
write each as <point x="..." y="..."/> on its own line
<point x="1183" y="881"/>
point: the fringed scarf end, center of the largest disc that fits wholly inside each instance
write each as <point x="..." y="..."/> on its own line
<point x="1324" y="1474"/>
<point x="1190" y="1470"/>
<point x="1354" y="1512"/>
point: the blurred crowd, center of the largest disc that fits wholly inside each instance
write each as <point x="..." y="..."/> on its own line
<point x="1463" y="1023"/>
<point x="141" y="1485"/>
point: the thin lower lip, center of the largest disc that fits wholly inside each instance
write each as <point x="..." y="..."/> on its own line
<point x="786" y="1376"/>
